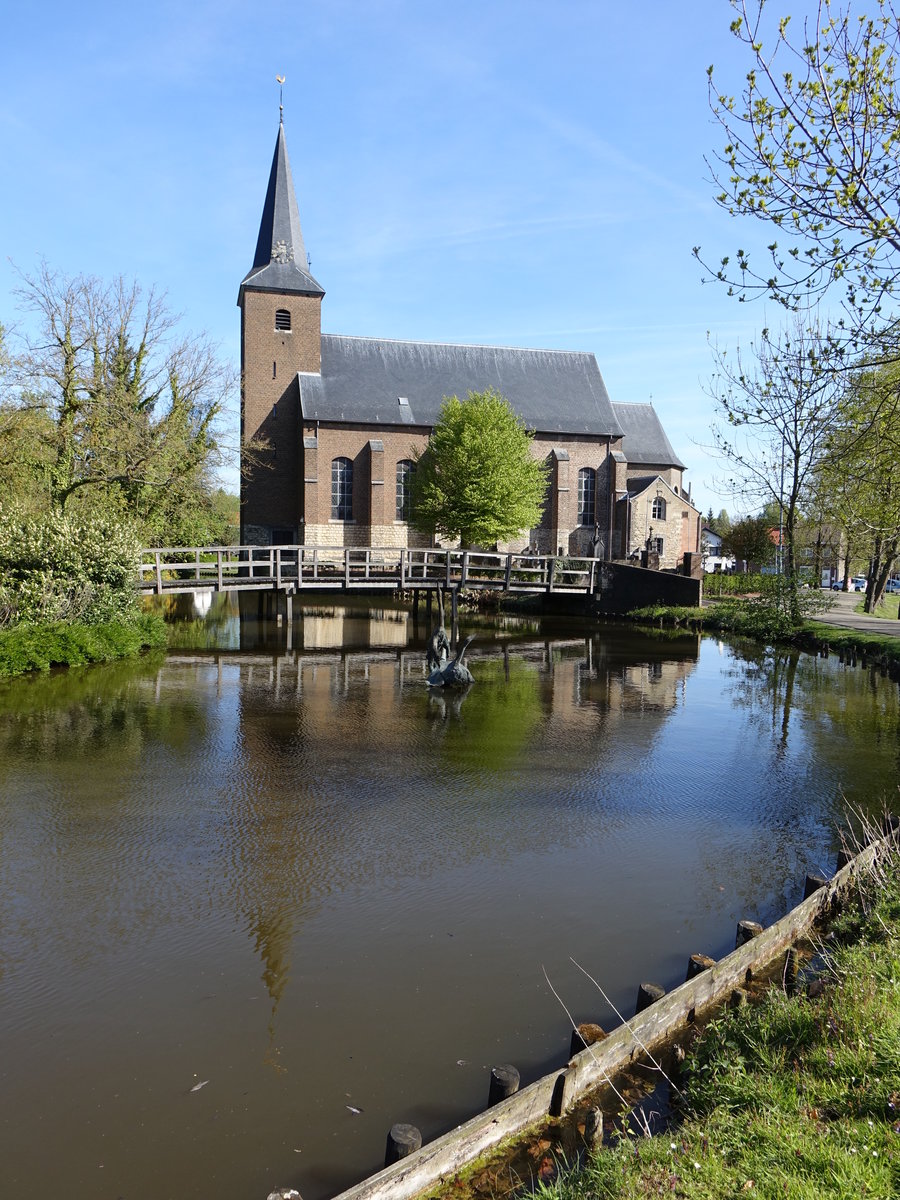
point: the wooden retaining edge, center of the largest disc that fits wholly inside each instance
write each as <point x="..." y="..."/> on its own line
<point x="555" y="1094"/>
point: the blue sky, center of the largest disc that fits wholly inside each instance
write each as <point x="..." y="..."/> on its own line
<point x="513" y="173"/>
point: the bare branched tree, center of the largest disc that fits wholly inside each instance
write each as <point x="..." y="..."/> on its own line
<point x="122" y="410"/>
<point x="812" y="148"/>
<point x="778" y="407"/>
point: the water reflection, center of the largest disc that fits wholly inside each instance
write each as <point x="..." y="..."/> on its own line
<point x="310" y="879"/>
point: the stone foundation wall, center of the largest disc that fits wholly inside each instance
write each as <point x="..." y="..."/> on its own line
<point x="345" y="533"/>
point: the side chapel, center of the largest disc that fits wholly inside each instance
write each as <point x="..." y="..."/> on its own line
<point x="334" y="420"/>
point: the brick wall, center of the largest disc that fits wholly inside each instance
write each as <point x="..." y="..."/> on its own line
<point x="270" y="404"/>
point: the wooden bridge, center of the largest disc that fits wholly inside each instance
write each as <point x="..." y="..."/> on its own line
<point x="292" y="569"/>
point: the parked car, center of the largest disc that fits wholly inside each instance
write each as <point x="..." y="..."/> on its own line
<point x="892" y="585"/>
<point x="858" y="583"/>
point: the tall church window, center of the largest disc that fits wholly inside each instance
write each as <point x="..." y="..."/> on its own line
<point x="658" y="511"/>
<point x="404" y="478"/>
<point x="586" y="497"/>
<point x="341" y="489"/>
<point x="283" y="319"/>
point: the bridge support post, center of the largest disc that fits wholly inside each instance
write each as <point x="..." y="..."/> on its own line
<point x="454" y="617"/>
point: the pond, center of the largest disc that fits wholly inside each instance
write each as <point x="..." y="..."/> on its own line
<point x="257" y="904"/>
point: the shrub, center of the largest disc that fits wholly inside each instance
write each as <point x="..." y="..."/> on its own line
<point x="29" y="647"/>
<point x="738" y="585"/>
<point x="58" y="567"/>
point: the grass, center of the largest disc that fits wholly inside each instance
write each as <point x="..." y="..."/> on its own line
<point x="38" y="647"/>
<point x="756" y="618"/>
<point x="793" y="1097"/>
<point x="887" y="608"/>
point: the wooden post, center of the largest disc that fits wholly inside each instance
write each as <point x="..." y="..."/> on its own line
<point x="509" y="559"/>
<point x="416" y="606"/>
<point x="745" y="931"/>
<point x="698" y="963"/>
<point x="504" y="1082"/>
<point x="402" y="1140"/>
<point x="790" y="972"/>
<point x="219" y="570"/>
<point x="584" y="1035"/>
<point x="346" y="566"/>
<point x="593" y="1128"/>
<point x="812" y="884"/>
<point x="465" y="569"/>
<point x="158" y="563"/>
<point x="648" y="993"/>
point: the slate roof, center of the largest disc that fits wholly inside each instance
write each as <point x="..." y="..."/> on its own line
<point x="640" y="483"/>
<point x="279" y="264"/>
<point x="366" y="381"/>
<point x="645" y="441"/>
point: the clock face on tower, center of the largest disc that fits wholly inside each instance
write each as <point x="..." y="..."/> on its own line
<point x="282" y="253"/>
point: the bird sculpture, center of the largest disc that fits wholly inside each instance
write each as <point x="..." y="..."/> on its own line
<point x="455" y="673"/>
<point x="438" y="650"/>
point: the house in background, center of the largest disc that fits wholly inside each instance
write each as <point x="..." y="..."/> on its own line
<point x="714" y="561"/>
<point x="330" y="424"/>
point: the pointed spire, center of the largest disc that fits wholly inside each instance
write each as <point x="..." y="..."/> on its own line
<point x="279" y="264"/>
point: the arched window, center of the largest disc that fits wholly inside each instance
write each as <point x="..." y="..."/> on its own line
<point x="404" y="477"/>
<point x="282" y="320"/>
<point x="658" y="511"/>
<point x="342" y="489"/>
<point x="586" y="506"/>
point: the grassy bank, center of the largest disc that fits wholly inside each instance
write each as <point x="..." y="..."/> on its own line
<point x="39" y="646"/>
<point x="757" y="619"/>
<point x="797" y="1096"/>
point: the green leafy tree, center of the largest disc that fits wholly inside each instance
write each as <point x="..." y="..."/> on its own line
<point x="859" y="477"/>
<point x="812" y="147"/>
<point x="477" y="480"/>
<point x="750" y="539"/>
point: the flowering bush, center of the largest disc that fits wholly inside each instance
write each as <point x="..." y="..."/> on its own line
<point x="59" y="567"/>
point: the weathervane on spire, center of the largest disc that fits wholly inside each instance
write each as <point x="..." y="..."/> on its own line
<point x="279" y="79"/>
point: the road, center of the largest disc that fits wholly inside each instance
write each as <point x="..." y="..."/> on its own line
<point x="841" y="613"/>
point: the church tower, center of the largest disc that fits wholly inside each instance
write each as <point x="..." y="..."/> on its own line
<point x="281" y="330"/>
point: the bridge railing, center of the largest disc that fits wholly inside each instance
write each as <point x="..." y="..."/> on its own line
<point x="178" y="569"/>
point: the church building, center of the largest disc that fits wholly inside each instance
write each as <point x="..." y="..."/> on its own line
<point x="330" y="423"/>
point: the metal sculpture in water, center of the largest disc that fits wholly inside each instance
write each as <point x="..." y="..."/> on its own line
<point x="438" y="649"/>
<point x="455" y="673"/>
